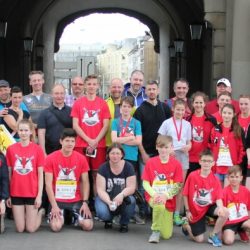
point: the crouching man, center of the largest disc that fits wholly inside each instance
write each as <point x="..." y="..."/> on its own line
<point x="67" y="184"/>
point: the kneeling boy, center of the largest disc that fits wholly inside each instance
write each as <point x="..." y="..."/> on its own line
<point x="203" y="197"/>
<point x="66" y="172"/>
<point x="162" y="178"/>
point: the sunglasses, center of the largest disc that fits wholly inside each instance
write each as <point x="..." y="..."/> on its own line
<point x="76" y="83"/>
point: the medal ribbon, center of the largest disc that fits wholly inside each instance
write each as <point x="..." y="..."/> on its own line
<point x="178" y="133"/>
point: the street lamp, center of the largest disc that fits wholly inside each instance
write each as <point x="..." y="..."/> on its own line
<point x="27" y="47"/>
<point x="81" y="66"/>
<point x="171" y="51"/>
<point x="70" y="76"/>
<point x="3" y="29"/>
<point x="28" y="44"/>
<point x="88" y="65"/>
<point x="195" y="31"/>
<point x="179" y="48"/>
<point x="179" y="45"/>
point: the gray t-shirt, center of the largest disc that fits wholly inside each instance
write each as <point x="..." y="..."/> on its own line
<point x="36" y="104"/>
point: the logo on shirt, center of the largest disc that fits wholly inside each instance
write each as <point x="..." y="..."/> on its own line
<point x="23" y="165"/>
<point x="203" y="197"/>
<point x="119" y="182"/>
<point x="91" y="117"/>
<point x="66" y="174"/>
<point x="197" y="134"/>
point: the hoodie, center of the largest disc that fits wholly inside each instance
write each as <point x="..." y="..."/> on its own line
<point x="139" y="98"/>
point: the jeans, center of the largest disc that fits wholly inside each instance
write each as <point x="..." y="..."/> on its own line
<point x="143" y="208"/>
<point x="126" y="210"/>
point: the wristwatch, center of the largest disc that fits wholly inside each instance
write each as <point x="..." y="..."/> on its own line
<point x="85" y="201"/>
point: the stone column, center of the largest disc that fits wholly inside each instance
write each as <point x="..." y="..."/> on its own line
<point x="164" y="61"/>
<point x="48" y="58"/>
<point x="215" y="13"/>
<point x="241" y="48"/>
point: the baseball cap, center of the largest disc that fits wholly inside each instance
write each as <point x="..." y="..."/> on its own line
<point x="225" y="81"/>
<point x="4" y="83"/>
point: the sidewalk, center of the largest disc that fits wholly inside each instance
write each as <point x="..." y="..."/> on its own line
<point x="72" y="238"/>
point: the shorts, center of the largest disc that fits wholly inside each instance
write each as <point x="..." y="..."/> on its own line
<point x="94" y="163"/>
<point x="20" y="201"/>
<point x="182" y="158"/>
<point x="221" y="177"/>
<point x="73" y="207"/>
<point x="199" y="227"/>
<point x="234" y="227"/>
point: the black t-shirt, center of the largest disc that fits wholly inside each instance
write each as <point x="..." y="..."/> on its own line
<point x="151" y="118"/>
<point x="115" y="183"/>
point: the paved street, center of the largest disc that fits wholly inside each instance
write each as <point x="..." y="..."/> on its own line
<point x="100" y="239"/>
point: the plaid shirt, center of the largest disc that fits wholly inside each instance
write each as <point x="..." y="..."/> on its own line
<point x="69" y="100"/>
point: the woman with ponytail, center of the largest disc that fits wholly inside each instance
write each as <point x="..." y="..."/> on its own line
<point x="226" y="143"/>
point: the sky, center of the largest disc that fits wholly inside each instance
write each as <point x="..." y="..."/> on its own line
<point x="103" y="28"/>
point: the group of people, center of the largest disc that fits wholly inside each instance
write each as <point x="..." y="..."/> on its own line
<point x="185" y="155"/>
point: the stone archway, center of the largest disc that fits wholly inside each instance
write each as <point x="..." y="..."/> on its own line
<point x="39" y="20"/>
<point x="151" y="13"/>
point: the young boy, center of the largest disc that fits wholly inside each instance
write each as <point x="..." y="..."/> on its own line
<point x="162" y="178"/>
<point x="67" y="184"/>
<point x="180" y="130"/>
<point x="203" y="196"/>
<point x="126" y="130"/>
<point x="237" y="200"/>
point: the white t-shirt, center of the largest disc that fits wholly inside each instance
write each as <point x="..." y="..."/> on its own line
<point x="168" y="128"/>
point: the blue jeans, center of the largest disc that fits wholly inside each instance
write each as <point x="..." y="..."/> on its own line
<point x="126" y="210"/>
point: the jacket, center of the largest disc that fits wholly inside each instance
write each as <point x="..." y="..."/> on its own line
<point x="235" y="145"/>
<point x="139" y="98"/>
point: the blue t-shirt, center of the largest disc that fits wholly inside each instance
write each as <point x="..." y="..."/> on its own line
<point x="124" y="129"/>
<point x="22" y="106"/>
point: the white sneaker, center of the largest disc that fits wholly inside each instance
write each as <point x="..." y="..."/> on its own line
<point x="154" y="237"/>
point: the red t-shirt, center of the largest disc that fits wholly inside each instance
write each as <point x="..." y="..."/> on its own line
<point x="66" y="174"/>
<point x="90" y="116"/>
<point x="200" y="136"/>
<point x="161" y="177"/>
<point x="212" y="106"/>
<point x="244" y="122"/>
<point x="24" y="162"/>
<point x="238" y="204"/>
<point x="201" y="193"/>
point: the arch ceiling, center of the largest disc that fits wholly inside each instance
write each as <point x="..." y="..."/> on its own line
<point x="30" y="13"/>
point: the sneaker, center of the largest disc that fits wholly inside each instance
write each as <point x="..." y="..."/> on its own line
<point x="154" y="237"/>
<point x="214" y="239"/>
<point x="139" y="220"/>
<point x="123" y="229"/>
<point x="116" y="219"/>
<point x="2" y="226"/>
<point x="177" y="219"/>
<point x="184" y="227"/>
<point x="108" y="225"/>
<point x="243" y="236"/>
